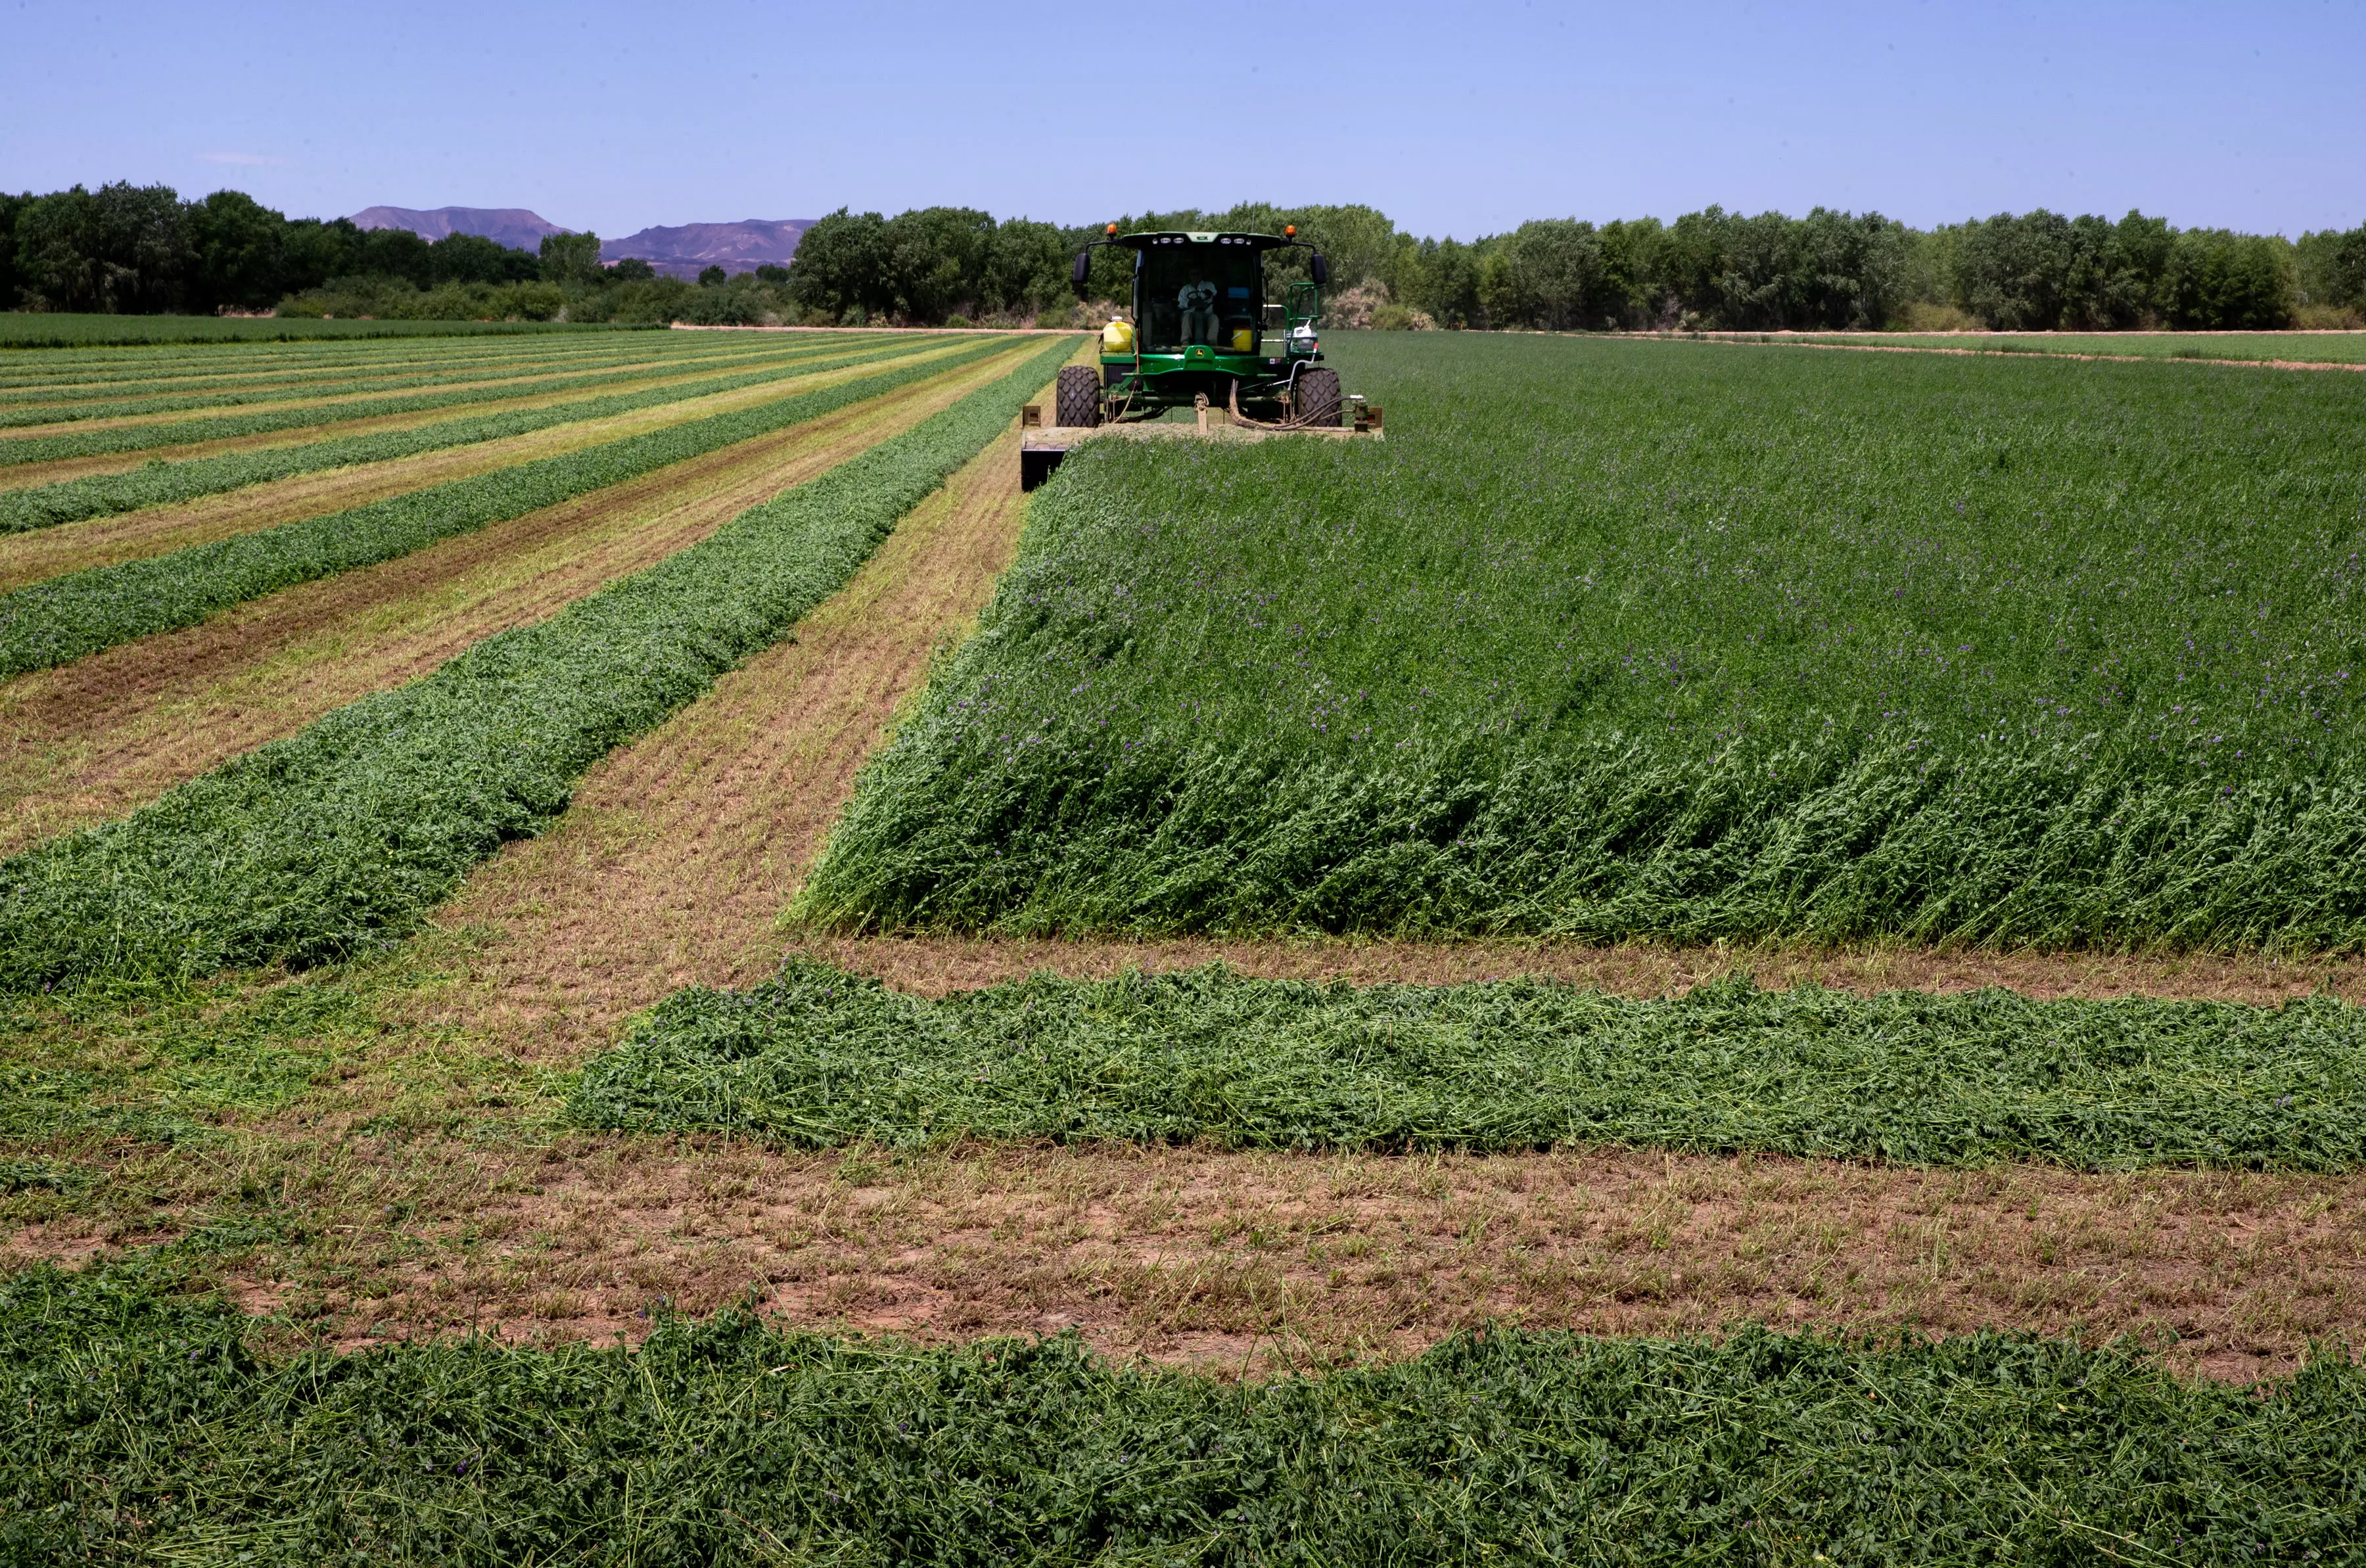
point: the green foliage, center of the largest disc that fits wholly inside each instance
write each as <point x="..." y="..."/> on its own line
<point x="63" y="619"/>
<point x="2217" y="279"/>
<point x="239" y="249"/>
<point x="122" y="248"/>
<point x="1613" y="639"/>
<point x="348" y="832"/>
<point x="927" y="264"/>
<point x="571" y="258"/>
<point x="2330" y="268"/>
<point x="164" y="1068"/>
<point x="157" y="482"/>
<point x="145" y="1426"/>
<point x="816" y="1057"/>
<point x="2042" y="271"/>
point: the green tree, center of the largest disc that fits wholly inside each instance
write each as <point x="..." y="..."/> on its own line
<point x="2219" y="280"/>
<point x="841" y="266"/>
<point x="472" y="258"/>
<point x="11" y="280"/>
<point x="313" y="252"/>
<point x="2329" y="267"/>
<point x="711" y="277"/>
<point x="936" y="261"/>
<point x="1547" y="274"/>
<point x="394" y="253"/>
<point x="572" y="258"/>
<point x="122" y="248"/>
<point x="2014" y="272"/>
<point x="239" y="247"/>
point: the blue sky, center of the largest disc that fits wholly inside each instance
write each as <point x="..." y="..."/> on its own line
<point x="1457" y="121"/>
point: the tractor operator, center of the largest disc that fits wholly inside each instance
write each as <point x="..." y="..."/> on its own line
<point x="1198" y="303"/>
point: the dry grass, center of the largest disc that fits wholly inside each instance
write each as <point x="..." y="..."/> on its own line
<point x="104" y="541"/>
<point x="1191" y="1254"/>
<point x="932" y="966"/>
<point x="97" y="738"/>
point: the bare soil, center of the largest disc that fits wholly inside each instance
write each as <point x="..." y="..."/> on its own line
<point x="932" y="966"/>
<point x="1196" y="1255"/>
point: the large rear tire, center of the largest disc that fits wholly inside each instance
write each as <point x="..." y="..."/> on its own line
<point x="1078" y="397"/>
<point x="1318" y="400"/>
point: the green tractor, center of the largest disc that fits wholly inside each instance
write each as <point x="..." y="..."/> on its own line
<point x="1203" y="337"/>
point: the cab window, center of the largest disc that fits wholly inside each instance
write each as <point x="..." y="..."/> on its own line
<point x="1200" y="294"/>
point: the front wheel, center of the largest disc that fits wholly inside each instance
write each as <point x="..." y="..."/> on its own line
<point x="1317" y="395"/>
<point x="1077" y="399"/>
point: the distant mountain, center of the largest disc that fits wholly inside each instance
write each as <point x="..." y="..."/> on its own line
<point x="684" y="251"/>
<point x="512" y="226"/>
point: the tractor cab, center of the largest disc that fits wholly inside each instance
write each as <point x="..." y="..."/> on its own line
<point x="1204" y="336"/>
<point x="1203" y="328"/>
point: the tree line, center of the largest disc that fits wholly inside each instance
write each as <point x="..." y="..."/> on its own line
<point x="1709" y="270"/>
<point x="140" y="248"/>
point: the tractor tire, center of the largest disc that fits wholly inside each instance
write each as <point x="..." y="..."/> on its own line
<point x="1318" y="397"/>
<point x="1077" y="399"/>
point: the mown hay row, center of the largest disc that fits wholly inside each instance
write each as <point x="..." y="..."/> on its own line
<point x="502" y="441"/>
<point x="817" y="1056"/>
<point x="64" y="618"/>
<point x="21" y="376"/>
<point x="282" y="429"/>
<point x="340" y="837"/>
<point x="726" y="1439"/>
<point x="94" y="740"/>
<point x="149" y="405"/>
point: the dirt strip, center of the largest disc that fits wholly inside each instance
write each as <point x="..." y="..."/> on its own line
<point x="97" y="738"/>
<point x="158" y="530"/>
<point x="449" y="1224"/>
<point x="932" y="966"/>
<point x="1194" y="1255"/>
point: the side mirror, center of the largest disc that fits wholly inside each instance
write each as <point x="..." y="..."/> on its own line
<point x="1078" y="273"/>
<point x="1320" y="268"/>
